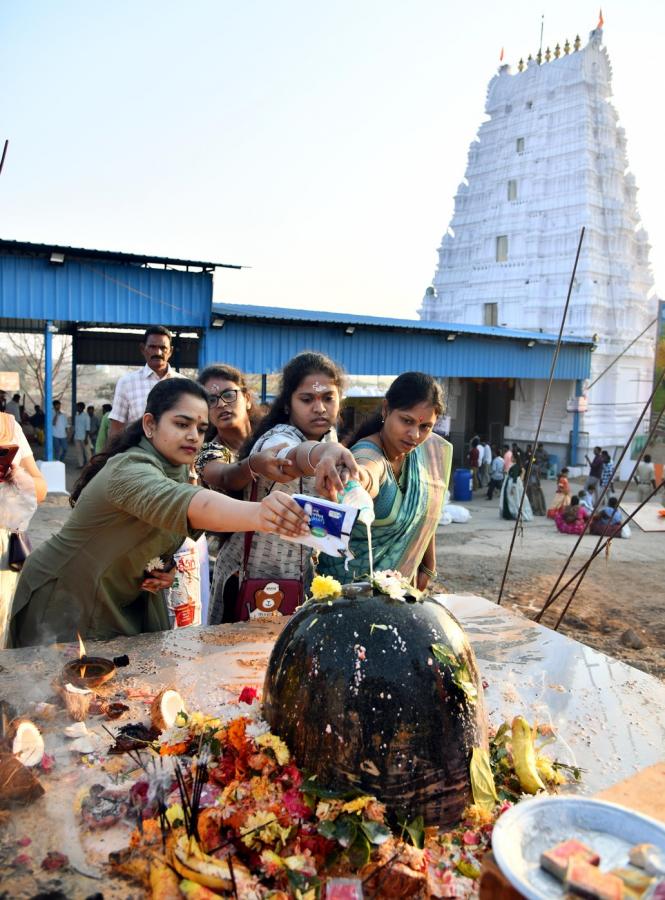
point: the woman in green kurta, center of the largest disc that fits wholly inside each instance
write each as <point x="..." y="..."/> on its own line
<point x="405" y="468"/>
<point x="133" y="505"/>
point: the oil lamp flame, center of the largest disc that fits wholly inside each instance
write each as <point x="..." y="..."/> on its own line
<point x="81" y="655"/>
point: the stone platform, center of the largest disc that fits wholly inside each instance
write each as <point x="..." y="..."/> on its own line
<point x="610" y="717"/>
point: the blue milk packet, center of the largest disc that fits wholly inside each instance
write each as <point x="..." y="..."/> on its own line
<point x="330" y="525"/>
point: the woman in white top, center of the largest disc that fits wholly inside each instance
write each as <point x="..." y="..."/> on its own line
<point x="25" y="475"/>
<point x="300" y="429"/>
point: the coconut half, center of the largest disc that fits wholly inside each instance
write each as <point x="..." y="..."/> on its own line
<point x="165" y="708"/>
<point x="28" y="743"/>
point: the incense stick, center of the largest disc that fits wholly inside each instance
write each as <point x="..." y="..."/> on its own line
<point x="542" y="413"/>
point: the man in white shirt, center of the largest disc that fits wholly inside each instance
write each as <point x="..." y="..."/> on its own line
<point x="131" y="391"/>
<point x="645" y="478"/>
<point x="82" y="434"/>
<point x="59" y="432"/>
<point x="484" y="462"/>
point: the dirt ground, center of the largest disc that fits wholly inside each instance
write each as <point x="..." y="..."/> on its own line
<point x="623" y="591"/>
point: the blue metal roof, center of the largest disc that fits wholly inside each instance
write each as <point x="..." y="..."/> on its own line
<point x="282" y="314"/>
<point x="31" y="249"/>
<point x="102" y="292"/>
<point x="264" y="344"/>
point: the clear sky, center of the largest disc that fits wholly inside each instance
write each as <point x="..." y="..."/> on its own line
<point x="319" y="143"/>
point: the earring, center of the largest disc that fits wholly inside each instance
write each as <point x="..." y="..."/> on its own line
<point x="148" y="434"/>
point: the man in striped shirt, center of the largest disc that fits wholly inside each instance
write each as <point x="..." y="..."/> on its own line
<point x="131" y="391"/>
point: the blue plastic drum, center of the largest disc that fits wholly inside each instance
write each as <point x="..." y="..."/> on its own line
<point x="462" y="484"/>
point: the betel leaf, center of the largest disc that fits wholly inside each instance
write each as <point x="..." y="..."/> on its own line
<point x="346" y="830"/>
<point x="359" y="852"/>
<point x="375" y="832"/>
<point x="328" y="829"/>
<point x="459" y="669"/>
<point x="416" y="831"/>
<point x="444" y="655"/>
<point x="482" y="780"/>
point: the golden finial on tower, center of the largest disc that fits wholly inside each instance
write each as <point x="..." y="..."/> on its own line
<point x="566" y="47"/>
<point x="539" y="57"/>
<point x="578" y="43"/>
<point x="548" y="55"/>
<point x="557" y="51"/>
<point x="520" y="65"/>
<point x="530" y="59"/>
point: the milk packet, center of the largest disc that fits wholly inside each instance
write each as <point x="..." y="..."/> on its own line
<point x="330" y="525"/>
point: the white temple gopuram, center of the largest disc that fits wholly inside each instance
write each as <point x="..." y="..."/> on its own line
<point x="550" y="158"/>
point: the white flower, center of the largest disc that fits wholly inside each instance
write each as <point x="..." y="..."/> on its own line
<point x="391" y="583"/>
<point x="154" y="564"/>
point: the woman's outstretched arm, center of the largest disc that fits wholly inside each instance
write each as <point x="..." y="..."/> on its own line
<point x="277" y="513"/>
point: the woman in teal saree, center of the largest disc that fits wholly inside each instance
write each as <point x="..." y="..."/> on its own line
<point x="405" y="468"/>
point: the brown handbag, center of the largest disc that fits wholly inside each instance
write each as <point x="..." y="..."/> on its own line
<point x="265" y="598"/>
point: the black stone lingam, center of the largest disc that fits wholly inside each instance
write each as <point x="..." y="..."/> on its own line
<point x="380" y="695"/>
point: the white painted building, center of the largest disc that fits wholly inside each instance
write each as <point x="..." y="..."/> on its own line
<point x="549" y="159"/>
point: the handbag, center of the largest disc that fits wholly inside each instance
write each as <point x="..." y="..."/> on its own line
<point x="266" y="598"/>
<point x="18" y="551"/>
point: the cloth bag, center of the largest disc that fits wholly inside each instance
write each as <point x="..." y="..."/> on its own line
<point x="264" y="598"/>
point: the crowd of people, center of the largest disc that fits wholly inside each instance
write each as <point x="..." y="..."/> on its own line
<point x="183" y="457"/>
<point x="508" y="473"/>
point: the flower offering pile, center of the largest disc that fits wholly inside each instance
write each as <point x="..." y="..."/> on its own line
<point x="221" y="809"/>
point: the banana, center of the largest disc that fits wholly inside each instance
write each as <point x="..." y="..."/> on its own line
<point x="524" y="757"/>
<point x="192" y="863"/>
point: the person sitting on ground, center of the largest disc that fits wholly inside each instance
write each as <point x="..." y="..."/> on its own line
<point x="572" y="519"/>
<point x="562" y="495"/>
<point x="586" y="500"/>
<point x="608" y="522"/>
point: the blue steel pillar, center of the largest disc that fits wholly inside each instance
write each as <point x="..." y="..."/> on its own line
<point x="202" y="351"/>
<point x="74" y="385"/>
<point x="48" y="392"/>
<point x="575" y="433"/>
<point x="264" y="389"/>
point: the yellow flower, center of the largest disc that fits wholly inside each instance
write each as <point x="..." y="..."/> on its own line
<point x="325" y="586"/>
<point x="272" y="831"/>
<point x="357" y="804"/>
<point x="277" y="746"/>
<point x="199" y="721"/>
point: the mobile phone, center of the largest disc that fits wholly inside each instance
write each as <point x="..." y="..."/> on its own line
<point x="7" y="455"/>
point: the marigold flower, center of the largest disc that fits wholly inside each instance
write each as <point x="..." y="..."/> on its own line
<point x="277" y="746"/>
<point x="325" y="587"/>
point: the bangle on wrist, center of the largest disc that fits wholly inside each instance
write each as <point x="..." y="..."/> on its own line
<point x="423" y="568"/>
<point x="309" y="458"/>
<point x="251" y="470"/>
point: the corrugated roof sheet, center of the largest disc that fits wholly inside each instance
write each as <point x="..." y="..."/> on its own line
<point x="283" y="314"/>
<point x="25" y="247"/>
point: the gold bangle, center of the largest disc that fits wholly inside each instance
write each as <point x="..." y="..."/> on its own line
<point x="423" y="568"/>
<point x="251" y="470"/>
